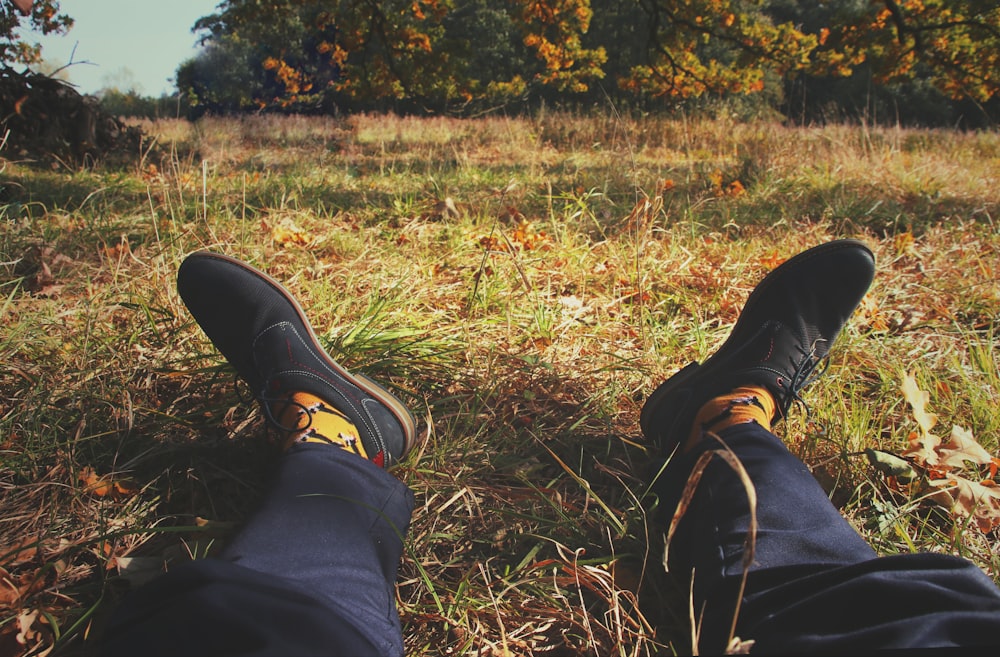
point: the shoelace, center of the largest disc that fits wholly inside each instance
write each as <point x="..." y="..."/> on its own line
<point x="266" y="401"/>
<point x="247" y="396"/>
<point x="806" y="370"/>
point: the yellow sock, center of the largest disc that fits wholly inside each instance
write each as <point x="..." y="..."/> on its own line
<point x="741" y="405"/>
<point x="317" y="422"/>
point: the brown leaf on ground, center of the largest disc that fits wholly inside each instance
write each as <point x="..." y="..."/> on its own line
<point x="106" y="485"/>
<point x="918" y="399"/>
<point x="9" y="592"/>
<point x="22" y="552"/>
<point x="969" y="499"/>
<point x="16" y="588"/>
<point x="923" y="449"/>
<point x="955" y="467"/>
<point x="41" y="282"/>
<point x="961" y="448"/>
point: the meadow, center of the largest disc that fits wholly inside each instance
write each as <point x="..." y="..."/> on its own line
<point x="522" y="283"/>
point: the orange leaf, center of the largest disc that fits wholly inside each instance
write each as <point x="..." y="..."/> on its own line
<point x="771" y="260"/>
<point x="287" y="233"/>
<point x="103" y="486"/>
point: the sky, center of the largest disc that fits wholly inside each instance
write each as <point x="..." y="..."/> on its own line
<point x="140" y="42"/>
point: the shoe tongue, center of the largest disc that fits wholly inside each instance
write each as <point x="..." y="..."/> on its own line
<point x="275" y="349"/>
<point x="774" y="355"/>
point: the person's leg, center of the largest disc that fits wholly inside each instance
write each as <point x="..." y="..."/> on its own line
<point x="814" y="584"/>
<point x="313" y="570"/>
<point x="333" y="523"/>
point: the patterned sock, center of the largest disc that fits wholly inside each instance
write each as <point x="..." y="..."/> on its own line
<point x="741" y="405"/>
<point x="317" y="422"/>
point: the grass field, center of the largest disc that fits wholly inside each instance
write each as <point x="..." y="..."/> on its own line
<point x="522" y="283"/>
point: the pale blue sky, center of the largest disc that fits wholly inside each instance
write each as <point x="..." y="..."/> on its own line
<point x="139" y="40"/>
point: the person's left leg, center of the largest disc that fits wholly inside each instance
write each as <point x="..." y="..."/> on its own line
<point x="333" y="523"/>
<point x="313" y="571"/>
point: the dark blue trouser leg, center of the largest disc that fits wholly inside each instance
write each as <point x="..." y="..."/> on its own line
<point x="815" y="585"/>
<point x="312" y="572"/>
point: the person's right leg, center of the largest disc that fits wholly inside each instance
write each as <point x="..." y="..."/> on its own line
<point x="814" y="585"/>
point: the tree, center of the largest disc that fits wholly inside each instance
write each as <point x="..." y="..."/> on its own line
<point x="470" y="54"/>
<point x="931" y="50"/>
<point x="227" y="76"/>
<point x="43" y="119"/>
<point x="953" y="44"/>
<point x="42" y="16"/>
<point x="867" y="62"/>
<point x="421" y="52"/>
<point x="694" y="47"/>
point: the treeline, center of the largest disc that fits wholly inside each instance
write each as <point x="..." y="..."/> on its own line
<point x="928" y="62"/>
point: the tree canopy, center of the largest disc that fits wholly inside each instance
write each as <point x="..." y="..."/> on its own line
<point x="455" y="54"/>
<point x="40" y="15"/>
<point x="468" y="55"/>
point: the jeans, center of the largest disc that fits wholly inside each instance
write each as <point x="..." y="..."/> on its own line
<point x="814" y="585"/>
<point x="313" y="572"/>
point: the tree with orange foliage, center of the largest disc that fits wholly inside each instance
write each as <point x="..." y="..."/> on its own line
<point x="954" y="44"/>
<point x="429" y="53"/>
<point x="449" y="54"/>
<point x="715" y="46"/>
<point x="729" y="46"/>
<point x="41" y="15"/>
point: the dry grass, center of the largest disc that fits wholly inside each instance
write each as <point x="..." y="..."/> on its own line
<point x="524" y="321"/>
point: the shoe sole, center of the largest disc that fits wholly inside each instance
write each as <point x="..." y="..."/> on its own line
<point x="691" y="369"/>
<point x="390" y="401"/>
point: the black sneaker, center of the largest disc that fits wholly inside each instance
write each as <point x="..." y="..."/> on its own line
<point x="263" y="332"/>
<point x="785" y="330"/>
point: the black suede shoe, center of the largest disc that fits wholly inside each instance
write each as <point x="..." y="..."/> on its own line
<point x="785" y="330"/>
<point x="261" y="330"/>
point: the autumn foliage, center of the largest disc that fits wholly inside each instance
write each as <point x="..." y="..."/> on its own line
<point x="41" y="15"/>
<point x="442" y="54"/>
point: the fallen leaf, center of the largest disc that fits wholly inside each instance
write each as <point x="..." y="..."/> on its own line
<point x="923" y="449"/>
<point x="918" y="399"/>
<point x="891" y="465"/>
<point x="286" y="233"/>
<point x="9" y="593"/>
<point x="772" y="260"/>
<point x="20" y="553"/>
<point x="106" y="485"/>
<point x="972" y="499"/>
<point x="444" y="209"/>
<point x="24" y="622"/>
<point x="16" y="588"/>
<point x="962" y="448"/>
<point x="903" y="242"/>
